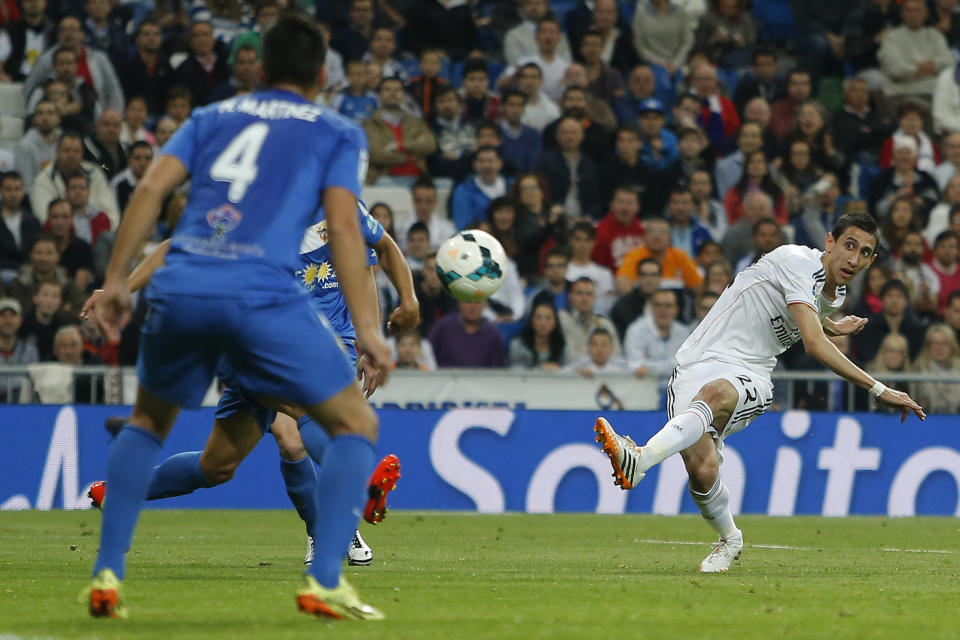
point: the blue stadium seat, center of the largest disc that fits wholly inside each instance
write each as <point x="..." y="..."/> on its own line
<point x="508" y="330"/>
<point x="774" y="20"/>
<point x="627" y="9"/>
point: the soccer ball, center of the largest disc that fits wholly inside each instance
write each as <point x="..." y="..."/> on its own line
<point x="471" y="265"/>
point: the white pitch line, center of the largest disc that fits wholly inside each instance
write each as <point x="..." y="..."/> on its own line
<point x="784" y="547"/>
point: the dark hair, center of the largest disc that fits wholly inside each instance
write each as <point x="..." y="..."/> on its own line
<point x="379" y="28"/>
<point x="650" y="261"/>
<point x="418" y="227"/>
<point x="490" y="125"/>
<point x="247" y="47"/>
<point x="954" y="295"/>
<point x="703" y="295"/>
<point x="8" y="175"/>
<point x="591" y="32"/>
<point x="586" y="227"/>
<point x="863" y="221"/>
<point x="555" y="339"/>
<point x="179" y="92"/>
<point x="140" y="144"/>
<point x="293" y="51"/>
<point x="71" y="50"/>
<point x="583" y="280"/>
<point x="705" y="245"/>
<point x="686" y="96"/>
<point x="54" y="203"/>
<point x="384" y="81"/>
<point x="79" y="175"/>
<point x="944" y="236"/>
<point x="514" y="93"/>
<point x="73" y="135"/>
<point x="487" y="148"/>
<point x="46" y="236"/>
<point x="145" y="22"/>
<point x="424" y="183"/>
<point x="762" y="51"/>
<point x="557" y="252"/>
<point x="626" y="188"/>
<point x="912" y="106"/>
<point x="474" y="64"/>
<point x="439" y="92"/>
<point x="599" y="331"/>
<point x="626" y="128"/>
<point x="680" y="189"/>
<point x="895" y="283"/>
<point x="762" y="223"/>
<point x="572" y="89"/>
<point x="768" y="185"/>
<point x="549" y="18"/>
<point x="532" y="65"/>
<point x="797" y="71"/>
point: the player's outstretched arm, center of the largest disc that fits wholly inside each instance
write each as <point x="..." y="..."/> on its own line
<point x="406" y="316"/>
<point x="816" y="344"/>
<point x="137" y="279"/>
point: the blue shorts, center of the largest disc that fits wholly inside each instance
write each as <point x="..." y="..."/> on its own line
<point x="233" y="400"/>
<point x="271" y="348"/>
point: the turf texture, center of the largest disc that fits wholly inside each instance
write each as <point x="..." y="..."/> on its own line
<point x="232" y="574"/>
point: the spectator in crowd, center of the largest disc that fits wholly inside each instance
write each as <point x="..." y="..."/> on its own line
<point x="471" y="197"/>
<point x="895" y="316"/>
<point x="540" y="344"/>
<point x="455" y="135"/>
<point x="708" y="252"/>
<point x="951" y="315"/>
<point x="19" y="226"/>
<point x="51" y="182"/>
<point x="410" y="352"/>
<point x="479" y="103"/>
<point x="133" y="128"/>
<point x="540" y="110"/>
<point x="548" y="58"/>
<point x="166" y="127"/>
<point x="951" y="160"/>
<point x="179" y="103"/>
<point x="903" y="180"/>
<point x="662" y="34"/>
<point x="424" y="211"/>
<point x="434" y="301"/>
<point x="738" y="240"/>
<point x="727" y="33"/>
<point x="812" y="129"/>
<point x="640" y="88"/>
<point x="95" y="343"/>
<point x="76" y="255"/>
<point x="797" y="174"/>
<point x="758" y="110"/>
<point x="767" y="236"/>
<point x="707" y="209"/>
<point x="580" y="320"/>
<point x="892" y="357"/>
<point x="940" y="356"/>
<point x="68" y="349"/>
<point x="467" y="339"/>
<point x="399" y="143"/>
<point x="783" y="112"/>
<point x="870" y="301"/>
<point x="541" y="225"/>
<point x="93" y="66"/>
<point x="582" y="242"/>
<point x="74" y="99"/>
<point x="694" y="155"/>
<point x="123" y="184"/>
<point x="894" y="228"/>
<point x="756" y="177"/>
<point x="105" y="34"/>
<point x="659" y="150"/>
<point x="945" y="265"/>
<point x="686" y="232"/>
<point x="521" y="145"/>
<point x="912" y="54"/>
<point x="417" y="245"/>
<point x="23" y="41"/>
<point x="146" y="71"/>
<point x="42" y="267"/>
<point x="14" y="349"/>
<point x="596" y="142"/>
<point x="501" y="217"/>
<point x="600" y="356"/>
<point x="571" y="174"/>
<point x="703" y="303"/>
<point x="89" y="219"/>
<point x="859" y="130"/>
<point x="919" y="277"/>
<point x="717" y="276"/>
<point x="244" y="77"/>
<point x="423" y="87"/>
<point x="821" y="209"/>
<point x="822" y="28"/>
<point x="521" y="40"/>
<point x="604" y="82"/>
<point x="38" y="147"/>
<point x="729" y="170"/>
<point x="205" y="68"/>
<point x="910" y="117"/>
<point x="717" y="116"/>
<point x="597" y="110"/>
<point x="554" y="287"/>
<point x="636" y="302"/>
<point x="763" y="80"/>
<point x="946" y="102"/>
<point x="624" y="166"/>
<point x="620" y="231"/>
<point x="616" y="43"/>
<point x="677" y="269"/>
<point x="351" y="38"/>
<point x="383" y="45"/>
<point x="654" y="338"/>
<point x="104" y="149"/>
<point x="41" y="323"/>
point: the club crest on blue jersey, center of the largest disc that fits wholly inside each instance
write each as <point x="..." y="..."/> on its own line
<point x="223" y="219"/>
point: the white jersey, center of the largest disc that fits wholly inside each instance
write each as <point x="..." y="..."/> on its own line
<point x="751" y="324"/>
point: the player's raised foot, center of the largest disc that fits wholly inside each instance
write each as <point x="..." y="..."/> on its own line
<point x="97" y="493"/>
<point x="104" y="596"/>
<point x="382" y="482"/>
<point x="723" y="554"/>
<point x="624" y="455"/>
<point x="341" y="603"/>
<point x="360" y="554"/>
<point x="308" y="556"/>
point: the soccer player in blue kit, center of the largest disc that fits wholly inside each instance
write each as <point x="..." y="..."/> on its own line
<point x="261" y="165"/>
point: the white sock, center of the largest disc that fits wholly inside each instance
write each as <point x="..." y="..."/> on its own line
<point x="715" y="509"/>
<point x="681" y="432"/>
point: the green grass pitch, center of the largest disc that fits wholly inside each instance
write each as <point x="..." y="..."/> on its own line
<point x="232" y="574"/>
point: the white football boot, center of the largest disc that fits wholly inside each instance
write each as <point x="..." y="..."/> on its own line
<point x="360" y="554"/>
<point x="308" y="558"/>
<point x="624" y="455"/>
<point x="723" y="554"/>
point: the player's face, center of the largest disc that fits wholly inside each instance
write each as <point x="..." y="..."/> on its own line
<point x="582" y="297"/>
<point x="851" y="253"/>
<point x="11" y="193"/>
<point x="600" y="348"/>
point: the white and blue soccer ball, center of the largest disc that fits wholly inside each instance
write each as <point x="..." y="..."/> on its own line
<point x="471" y="265"/>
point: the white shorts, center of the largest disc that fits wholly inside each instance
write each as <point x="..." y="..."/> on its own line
<point x="756" y="392"/>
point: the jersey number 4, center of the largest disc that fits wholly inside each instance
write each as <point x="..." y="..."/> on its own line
<point x="237" y="164"/>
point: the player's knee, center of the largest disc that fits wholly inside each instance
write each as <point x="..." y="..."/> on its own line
<point x="292" y="450"/>
<point x="703" y="474"/>
<point x="362" y="422"/>
<point x="217" y="471"/>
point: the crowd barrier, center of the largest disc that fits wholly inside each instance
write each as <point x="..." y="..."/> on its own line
<point x="503" y="459"/>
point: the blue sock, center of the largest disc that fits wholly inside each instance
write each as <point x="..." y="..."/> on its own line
<point x="315" y="438"/>
<point x="343" y="476"/>
<point x="177" y="476"/>
<point x="302" y="487"/>
<point x="128" y="476"/>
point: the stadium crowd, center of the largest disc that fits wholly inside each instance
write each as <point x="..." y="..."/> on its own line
<point x="631" y="157"/>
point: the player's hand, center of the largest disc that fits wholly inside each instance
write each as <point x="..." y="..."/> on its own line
<point x="406" y="317"/>
<point x="113" y="309"/>
<point x="849" y="325"/>
<point x="370" y="342"/>
<point x="906" y="403"/>
<point x="91" y="304"/>
<point x="369" y="376"/>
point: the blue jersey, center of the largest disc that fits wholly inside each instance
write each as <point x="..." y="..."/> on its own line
<point x="357" y="109"/>
<point x="316" y="271"/>
<point x="259" y="165"/>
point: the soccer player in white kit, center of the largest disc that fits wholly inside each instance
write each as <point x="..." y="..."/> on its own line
<point x="722" y="380"/>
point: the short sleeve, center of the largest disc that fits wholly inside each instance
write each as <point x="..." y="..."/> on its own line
<point x="372" y="231"/>
<point x="182" y="144"/>
<point x="800" y="278"/>
<point x="347" y="162"/>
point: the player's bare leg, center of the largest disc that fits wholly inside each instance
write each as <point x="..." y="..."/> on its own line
<point x="129" y="470"/>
